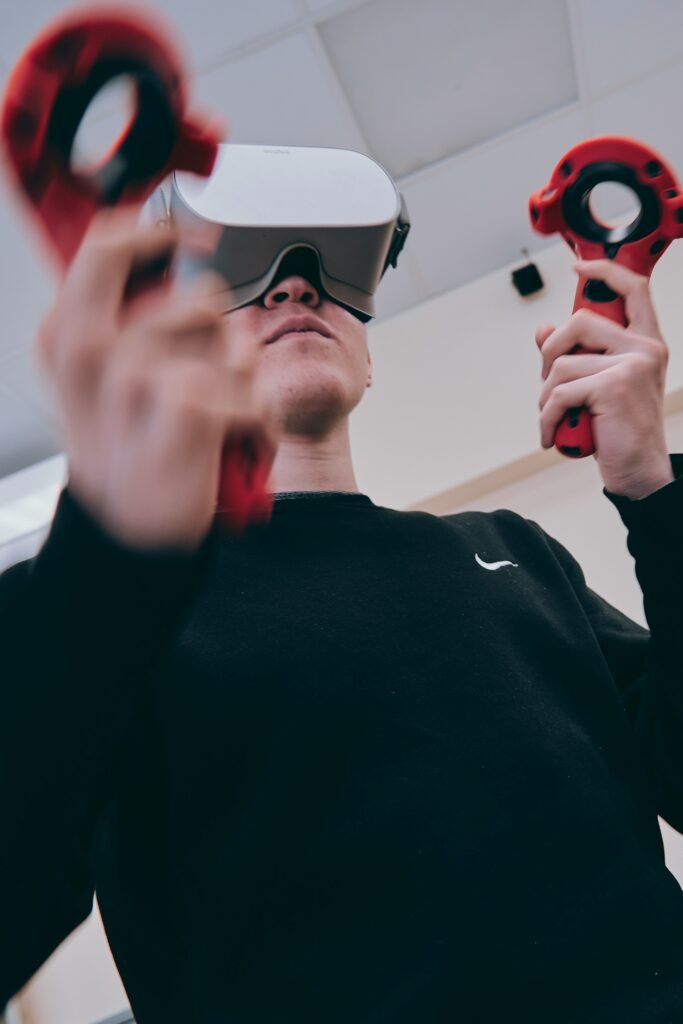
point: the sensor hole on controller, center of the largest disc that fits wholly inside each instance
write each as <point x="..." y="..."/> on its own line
<point x="614" y="205"/>
<point x="107" y="118"/>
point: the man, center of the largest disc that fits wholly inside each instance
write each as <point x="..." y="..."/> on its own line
<point x="325" y="772"/>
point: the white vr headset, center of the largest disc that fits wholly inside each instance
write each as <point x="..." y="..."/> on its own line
<point x="330" y="214"/>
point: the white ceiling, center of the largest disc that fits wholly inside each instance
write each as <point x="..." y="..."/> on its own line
<point x="469" y="104"/>
<point x="428" y="80"/>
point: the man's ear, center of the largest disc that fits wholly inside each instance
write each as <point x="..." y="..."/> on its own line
<point x="369" y="383"/>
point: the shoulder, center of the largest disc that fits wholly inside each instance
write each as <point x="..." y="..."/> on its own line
<point x="482" y="528"/>
<point x="503" y="527"/>
<point x="502" y="522"/>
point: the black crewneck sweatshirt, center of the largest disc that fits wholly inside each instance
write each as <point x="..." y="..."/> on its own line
<point x="357" y="766"/>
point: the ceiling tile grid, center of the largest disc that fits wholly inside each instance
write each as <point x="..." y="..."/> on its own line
<point x="204" y="29"/>
<point x="648" y="110"/>
<point x="625" y="40"/>
<point x="432" y="79"/>
<point x="469" y="214"/>
<point x="300" y="107"/>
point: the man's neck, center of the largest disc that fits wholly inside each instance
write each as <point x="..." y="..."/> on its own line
<point x="320" y="464"/>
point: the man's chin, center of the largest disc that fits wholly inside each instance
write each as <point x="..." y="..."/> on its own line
<point x="313" y="421"/>
<point x="312" y="403"/>
<point x="312" y="415"/>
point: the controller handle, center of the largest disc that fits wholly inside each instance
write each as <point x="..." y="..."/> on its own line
<point x="574" y="434"/>
<point x="47" y="95"/>
<point x="563" y="207"/>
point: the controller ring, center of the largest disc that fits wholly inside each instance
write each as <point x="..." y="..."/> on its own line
<point x="147" y="142"/>
<point x="581" y="220"/>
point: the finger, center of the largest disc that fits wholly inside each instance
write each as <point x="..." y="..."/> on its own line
<point x="542" y="334"/>
<point x="574" y="367"/>
<point x="634" y="289"/>
<point x="590" y="331"/>
<point x="112" y="246"/>
<point x="243" y="352"/>
<point x="191" y="328"/>
<point x="213" y="398"/>
<point x="173" y="309"/>
<point x="574" y="394"/>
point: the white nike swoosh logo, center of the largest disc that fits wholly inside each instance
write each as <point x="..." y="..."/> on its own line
<point x="493" y="565"/>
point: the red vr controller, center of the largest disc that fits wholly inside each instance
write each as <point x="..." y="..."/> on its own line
<point x="47" y="96"/>
<point x="563" y="206"/>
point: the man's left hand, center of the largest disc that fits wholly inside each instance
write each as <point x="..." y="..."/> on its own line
<point x="619" y="379"/>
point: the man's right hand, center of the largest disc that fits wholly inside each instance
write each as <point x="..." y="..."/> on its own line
<point x="148" y="389"/>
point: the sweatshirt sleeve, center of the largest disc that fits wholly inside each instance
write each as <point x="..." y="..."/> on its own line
<point x="648" y="667"/>
<point x="81" y="624"/>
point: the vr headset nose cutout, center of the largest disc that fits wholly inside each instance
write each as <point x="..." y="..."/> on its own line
<point x="564" y="206"/>
<point x="302" y="263"/>
<point x="272" y="203"/>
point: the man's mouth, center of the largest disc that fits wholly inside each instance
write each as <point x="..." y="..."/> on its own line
<point x="297" y="325"/>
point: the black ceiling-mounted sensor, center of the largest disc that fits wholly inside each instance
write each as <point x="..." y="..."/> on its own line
<point x="527" y="279"/>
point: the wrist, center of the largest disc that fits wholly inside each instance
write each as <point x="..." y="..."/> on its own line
<point x="639" y="485"/>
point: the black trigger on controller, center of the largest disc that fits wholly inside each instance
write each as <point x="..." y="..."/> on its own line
<point x="598" y="291"/>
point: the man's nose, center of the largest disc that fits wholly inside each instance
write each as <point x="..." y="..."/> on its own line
<point x="292" y="289"/>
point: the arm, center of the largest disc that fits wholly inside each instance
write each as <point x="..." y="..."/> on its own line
<point x="654" y="540"/>
<point x="149" y="391"/>
<point x="648" y="667"/>
<point x="82" y="624"/>
<point x="620" y="378"/>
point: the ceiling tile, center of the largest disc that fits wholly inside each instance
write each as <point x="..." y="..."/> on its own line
<point x="648" y="111"/>
<point x="280" y="95"/>
<point x="205" y="29"/>
<point x="623" y="39"/>
<point x="431" y="79"/>
<point x="332" y="6"/>
<point x="469" y="214"/>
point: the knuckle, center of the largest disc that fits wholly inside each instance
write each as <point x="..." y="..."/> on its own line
<point x="187" y="394"/>
<point x="188" y="391"/>
<point x="203" y="320"/>
<point x="637" y="366"/>
<point x="559" y="394"/>
<point x="83" y="355"/>
<point x="622" y="377"/>
<point x="655" y="350"/>
<point x="583" y="317"/>
<point x="663" y="357"/>
<point x="132" y="385"/>
<point x="101" y="242"/>
<point x="562" y="366"/>
<point x="548" y="410"/>
<point x="213" y="285"/>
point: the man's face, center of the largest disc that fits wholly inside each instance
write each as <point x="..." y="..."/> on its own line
<point x="314" y="363"/>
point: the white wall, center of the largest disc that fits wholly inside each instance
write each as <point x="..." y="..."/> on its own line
<point x="456" y="381"/>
